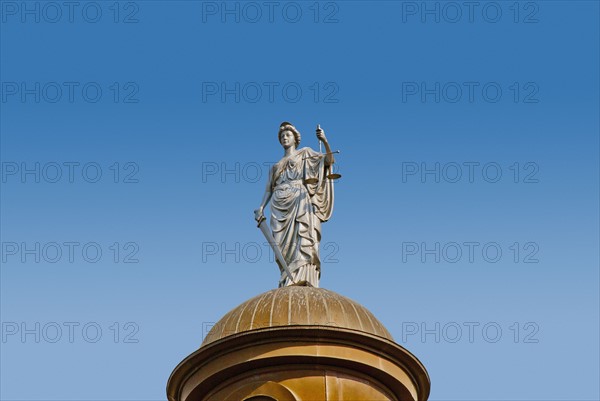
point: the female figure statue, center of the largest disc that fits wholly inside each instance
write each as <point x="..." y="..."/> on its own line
<point x="301" y="198"/>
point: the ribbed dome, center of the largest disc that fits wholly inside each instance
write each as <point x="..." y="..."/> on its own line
<point x="296" y="305"/>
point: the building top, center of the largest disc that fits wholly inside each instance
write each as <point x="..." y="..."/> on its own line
<point x="297" y="305"/>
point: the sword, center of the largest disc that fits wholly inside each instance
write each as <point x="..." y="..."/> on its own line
<point x="278" y="255"/>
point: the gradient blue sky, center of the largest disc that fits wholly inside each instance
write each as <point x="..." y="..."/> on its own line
<point x="180" y="219"/>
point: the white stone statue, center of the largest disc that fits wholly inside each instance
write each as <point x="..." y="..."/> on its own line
<point x="300" y="188"/>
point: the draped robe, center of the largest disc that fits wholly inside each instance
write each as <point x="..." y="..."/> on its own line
<point x="297" y="211"/>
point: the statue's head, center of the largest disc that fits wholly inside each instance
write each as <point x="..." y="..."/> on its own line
<point x="286" y="127"/>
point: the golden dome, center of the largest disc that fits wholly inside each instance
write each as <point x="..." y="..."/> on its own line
<point x="297" y="306"/>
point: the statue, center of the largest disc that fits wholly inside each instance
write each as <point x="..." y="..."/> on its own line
<point x="300" y="188"/>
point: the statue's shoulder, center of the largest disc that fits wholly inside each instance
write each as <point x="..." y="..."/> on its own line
<point x="307" y="151"/>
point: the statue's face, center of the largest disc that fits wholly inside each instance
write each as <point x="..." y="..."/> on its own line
<point x="287" y="139"/>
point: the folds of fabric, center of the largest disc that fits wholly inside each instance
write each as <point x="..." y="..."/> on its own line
<point x="297" y="211"/>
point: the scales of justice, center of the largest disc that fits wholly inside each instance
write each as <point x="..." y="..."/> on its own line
<point x="300" y="189"/>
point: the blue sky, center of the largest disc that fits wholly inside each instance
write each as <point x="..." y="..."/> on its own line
<point x="135" y="139"/>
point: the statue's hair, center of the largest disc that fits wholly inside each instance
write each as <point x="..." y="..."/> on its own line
<point x="288" y="126"/>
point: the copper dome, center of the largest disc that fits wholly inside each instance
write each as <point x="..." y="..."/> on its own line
<point x="296" y="305"/>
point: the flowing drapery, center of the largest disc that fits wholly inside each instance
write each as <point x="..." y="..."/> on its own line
<point x="298" y="207"/>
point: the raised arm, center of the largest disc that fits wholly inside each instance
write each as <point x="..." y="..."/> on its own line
<point x="329" y="159"/>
